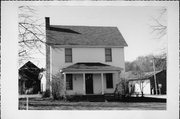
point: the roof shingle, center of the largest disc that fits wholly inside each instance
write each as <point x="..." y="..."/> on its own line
<point x="85" y="35"/>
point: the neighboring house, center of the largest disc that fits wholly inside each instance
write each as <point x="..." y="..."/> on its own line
<point x="29" y="81"/>
<point x="91" y="58"/>
<point x="147" y="83"/>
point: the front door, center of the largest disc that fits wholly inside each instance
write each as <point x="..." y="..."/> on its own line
<point x="89" y="83"/>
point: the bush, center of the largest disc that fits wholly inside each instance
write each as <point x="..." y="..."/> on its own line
<point x="122" y="88"/>
<point x="58" y="87"/>
<point x="46" y="94"/>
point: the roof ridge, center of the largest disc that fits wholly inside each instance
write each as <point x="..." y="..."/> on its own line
<point x="86" y="26"/>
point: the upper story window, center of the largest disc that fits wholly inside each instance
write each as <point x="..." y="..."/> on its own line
<point x="108" y="55"/>
<point x="68" y="54"/>
<point x="109" y="80"/>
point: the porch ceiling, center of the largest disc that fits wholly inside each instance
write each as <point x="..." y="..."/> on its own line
<point x="90" y="66"/>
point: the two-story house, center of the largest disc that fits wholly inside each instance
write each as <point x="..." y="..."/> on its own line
<point x="91" y="58"/>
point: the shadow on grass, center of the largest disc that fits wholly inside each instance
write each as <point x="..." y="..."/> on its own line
<point x="142" y="99"/>
<point x="100" y="98"/>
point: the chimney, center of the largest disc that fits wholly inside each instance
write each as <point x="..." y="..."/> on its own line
<point x="47" y="22"/>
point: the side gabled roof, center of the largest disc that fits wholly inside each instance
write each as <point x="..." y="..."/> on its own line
<point x="85" y="35"/>
<point x="146" y="76"/>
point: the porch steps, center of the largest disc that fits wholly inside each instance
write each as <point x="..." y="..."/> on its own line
<point x="95" y="98"/>
<point x="89" y="98"/>
<point x="111" y="97"/>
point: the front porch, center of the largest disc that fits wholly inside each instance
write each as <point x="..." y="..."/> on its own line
<point x="90" y="79"/>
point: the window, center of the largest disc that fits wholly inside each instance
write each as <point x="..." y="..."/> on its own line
<point x="68" y="54"/>
<point x="108" y="55"/>
<point x="69" y="82"/>
<point x="109" y="80"/>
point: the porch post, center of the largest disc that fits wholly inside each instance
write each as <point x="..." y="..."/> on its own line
<point x="64" y="81"/>
<point x="102" y="83"/>
<point x="84" y="83"/>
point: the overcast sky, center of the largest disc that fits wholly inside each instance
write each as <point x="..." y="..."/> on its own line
<point x="132" y="22"/>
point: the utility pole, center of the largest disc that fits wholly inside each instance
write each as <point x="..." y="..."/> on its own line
<point x="155" y="76"/>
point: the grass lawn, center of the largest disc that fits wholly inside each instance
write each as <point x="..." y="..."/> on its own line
<point x="48" y="104"/>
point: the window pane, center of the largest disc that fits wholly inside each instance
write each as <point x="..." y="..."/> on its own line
<point x="108" y="55"/>
<point x="68" y="58"/>
<point x="68" y="54"/>
<point x="108" y="58"/>
<point x="69" y="82"/>
<point x="109" y="80"/>
<point x="68" y="51"/>
<point x="108" y="51"/>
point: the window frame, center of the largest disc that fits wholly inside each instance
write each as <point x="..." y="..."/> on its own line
<point x="109" y="80"/>
<point x="108" y="54"/>
<point x="68" y="56"/>
<point x="69" y="82"/>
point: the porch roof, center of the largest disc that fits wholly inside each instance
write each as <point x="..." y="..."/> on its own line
<point x="90" y="66"/>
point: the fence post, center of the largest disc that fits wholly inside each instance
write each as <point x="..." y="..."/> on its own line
<point x="27" y="102"/>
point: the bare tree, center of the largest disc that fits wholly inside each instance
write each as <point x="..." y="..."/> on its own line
<point x="32" y="38"/>
<point x="142" y="85"/>
<point x="159" y="26"/>
<point x="159" y="30"/>
<point x="31" y="33"/>
<point x="144" y="64"/>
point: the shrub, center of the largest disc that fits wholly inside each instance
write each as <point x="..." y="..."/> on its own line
<point x="58" y="87"/>
<point x="46" y="94"/>
<point x="122" y="88"/>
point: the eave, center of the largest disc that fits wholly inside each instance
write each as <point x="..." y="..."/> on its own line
<point x="86" y="46"/>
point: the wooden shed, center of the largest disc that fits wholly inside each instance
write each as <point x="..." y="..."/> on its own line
<point x="29" y="81"/>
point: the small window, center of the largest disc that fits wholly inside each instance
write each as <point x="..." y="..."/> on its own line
<point x="108" y="55"/>
<point x="69" y="82"/>
<point x="68" y="54"/>
<point x="109" y="80"/>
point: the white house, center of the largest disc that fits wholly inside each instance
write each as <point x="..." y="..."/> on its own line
<point x="147" y="82"/>
<point x="91" y="58"/>
<point x="137" y="86"/>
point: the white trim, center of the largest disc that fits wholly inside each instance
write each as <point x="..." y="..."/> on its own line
<point x="84" y="84"/>
<point x="86" y="46"/>
<point x="64" y="81"/>
<point x="90" y="72"/>
<point x="76" y="70"/>
<point x="102" y="83"/>
<point x="50" y="70"/>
